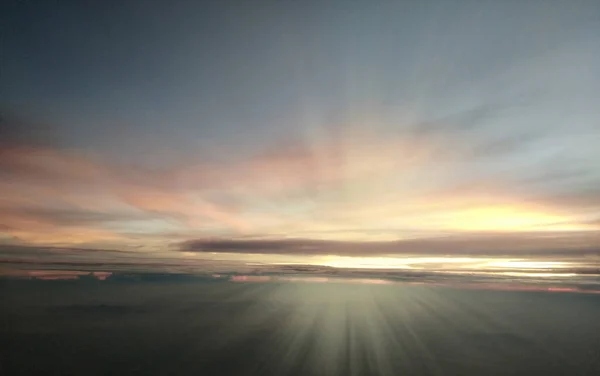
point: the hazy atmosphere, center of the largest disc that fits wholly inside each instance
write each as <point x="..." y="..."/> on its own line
<point x="310" y="188"/>
<point x="386" y="134"/>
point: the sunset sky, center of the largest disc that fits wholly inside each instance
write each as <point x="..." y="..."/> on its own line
<point x="370" y="134"/>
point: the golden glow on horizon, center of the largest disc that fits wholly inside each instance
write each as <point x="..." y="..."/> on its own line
<point x="527" y="264"/>
<point x="525" y="274"/>
<point x="511" y="218"/>
<point x="415" y="263"/>
<point x="508" y="273"/>
<point x="438" y="263"/>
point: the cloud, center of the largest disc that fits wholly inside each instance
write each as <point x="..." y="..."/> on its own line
<point x="474" y="244"/>
<point x="49" y="189"/>
<point x="279" y="246"/>
<point x="64" y="216"/>
<point x="347" y="189"/>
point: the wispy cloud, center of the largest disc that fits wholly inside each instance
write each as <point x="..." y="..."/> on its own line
<point x="349" y="184"/>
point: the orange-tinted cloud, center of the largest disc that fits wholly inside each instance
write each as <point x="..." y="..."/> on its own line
<point x="356" y="186"/>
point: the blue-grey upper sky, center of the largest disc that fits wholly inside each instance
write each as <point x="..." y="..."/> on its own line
<point x="156" y="124"/>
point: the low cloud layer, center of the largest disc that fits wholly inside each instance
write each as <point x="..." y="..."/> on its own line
<point x="539" y="244"/>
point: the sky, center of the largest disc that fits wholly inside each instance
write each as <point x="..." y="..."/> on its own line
<point x="378" y="134"/>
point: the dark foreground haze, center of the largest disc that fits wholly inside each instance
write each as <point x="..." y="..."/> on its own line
<point x="226" y="328"/>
